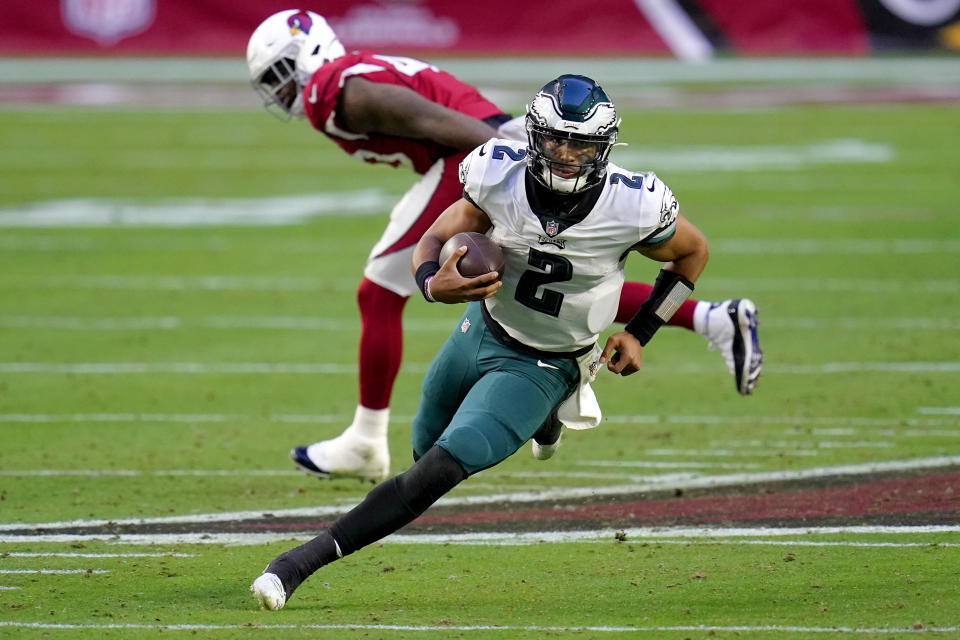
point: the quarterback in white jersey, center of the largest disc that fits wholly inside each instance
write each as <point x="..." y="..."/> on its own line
<point x="566" y="222"/>
<point x="569" y="274"/>
<point x="405" y="112"/>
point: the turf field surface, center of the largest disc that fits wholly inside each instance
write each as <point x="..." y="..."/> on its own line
<point x="177" y="311"/>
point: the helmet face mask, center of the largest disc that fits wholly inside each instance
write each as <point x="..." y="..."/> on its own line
<point x="571" y="127"/>
<point x="279" y="88"/>
<point x="284" y="52"/>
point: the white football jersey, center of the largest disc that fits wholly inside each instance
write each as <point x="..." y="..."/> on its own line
<point x="561" y="286"/>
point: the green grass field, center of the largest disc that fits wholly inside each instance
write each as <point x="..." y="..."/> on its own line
<point x="151" y="371"/>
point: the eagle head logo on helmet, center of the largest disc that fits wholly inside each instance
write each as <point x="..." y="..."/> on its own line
<point x="284" y="52"/>
<point x="571" y="127"/>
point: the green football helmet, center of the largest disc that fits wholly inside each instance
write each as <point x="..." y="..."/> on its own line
<point x="571" y="127"/>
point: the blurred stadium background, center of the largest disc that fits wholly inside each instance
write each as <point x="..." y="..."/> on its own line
<point x="177" y="276"/>
<point x="109" y="52"/>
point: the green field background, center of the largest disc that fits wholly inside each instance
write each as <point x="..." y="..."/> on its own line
<point x="853" y="265"/>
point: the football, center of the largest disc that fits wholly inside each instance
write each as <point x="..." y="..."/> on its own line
<point x="483" y="254"/>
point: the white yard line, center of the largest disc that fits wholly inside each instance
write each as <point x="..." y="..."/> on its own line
<point x="835" y="444"/>
<point x="182" y="418"/>
<point x="733" y="158"/>
<point x="220" y="282"/>
<point x="901" y="433"/>
<point x="800" y="543"/>
<point x="845" y="425"/>
<point x="210" y="282"/>
<point x="193" y="212"/>
<point x="503" y="630"/>
<point x="182" y="368"/>
<point x="52" y="572"/>
<point x="803" y="246"/>
<point x="939" y="411"/>
<point x="419" y="368"/>
<point x="171" y="554"/>
<point x="350" y="325"/>
<point x="622" y="477"/>
<point x="95" y="473"/>
<point x="641" y="535"/>
<point x="554" y="493"/>
<point x="718" y="453"/>
<point x="650" y="464"/>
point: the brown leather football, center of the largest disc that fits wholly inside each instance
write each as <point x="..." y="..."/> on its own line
<point x="483" y="254"/>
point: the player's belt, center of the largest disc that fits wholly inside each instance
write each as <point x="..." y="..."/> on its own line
<point x="507" y="340"/>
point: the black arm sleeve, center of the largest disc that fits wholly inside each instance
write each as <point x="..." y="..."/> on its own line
<point x="669" y="291"/>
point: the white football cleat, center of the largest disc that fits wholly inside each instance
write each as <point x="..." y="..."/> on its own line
<point x="546" y="451"/>
<point x="268" y="590"/>
<point x="731" y="327"/>
<point x="546" y="440"/>
<point x="345" y="456"/>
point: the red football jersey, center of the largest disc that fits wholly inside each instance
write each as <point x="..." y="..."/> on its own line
<point x="321" y="97"/>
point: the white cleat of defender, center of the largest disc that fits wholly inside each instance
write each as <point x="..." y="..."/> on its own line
<point x="346" y="456"/>
<point x="731" y="327"/>
<point x="268" y="590"/>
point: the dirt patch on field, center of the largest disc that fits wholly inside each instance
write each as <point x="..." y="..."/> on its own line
<point x="927" y="497"/>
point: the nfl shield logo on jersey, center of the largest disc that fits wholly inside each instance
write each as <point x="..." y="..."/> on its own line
<point x="107" y="21"/>
<point x="594" y="368"/>
<point x="552" y="228"/>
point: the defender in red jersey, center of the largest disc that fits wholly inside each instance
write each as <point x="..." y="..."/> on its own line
<point x="406" y="112"/>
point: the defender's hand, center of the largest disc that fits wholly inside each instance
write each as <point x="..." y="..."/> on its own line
<point x="625" y="350"/>
<point x="450" y="287"/>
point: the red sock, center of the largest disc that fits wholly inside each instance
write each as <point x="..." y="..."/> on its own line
<point x="381" y="343"/>
<point x="634" y="294"/>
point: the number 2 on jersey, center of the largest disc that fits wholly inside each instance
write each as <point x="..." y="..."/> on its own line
<point x="553" y="268"/>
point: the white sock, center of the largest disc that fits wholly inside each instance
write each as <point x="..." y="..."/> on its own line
<point x="370" y="423"/>
<point x="700" y="316"/>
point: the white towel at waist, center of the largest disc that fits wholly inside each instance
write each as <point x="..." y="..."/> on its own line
<point x="581" y="410"/>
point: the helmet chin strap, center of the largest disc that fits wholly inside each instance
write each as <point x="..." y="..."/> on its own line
<point x="565" y="185"/>
<point x="296" y="109"/>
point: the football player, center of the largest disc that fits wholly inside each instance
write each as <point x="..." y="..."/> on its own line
<point x="406" y="112"/>
<point x="528" y="342"/>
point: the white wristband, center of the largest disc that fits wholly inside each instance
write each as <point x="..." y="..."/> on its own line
<point x="426" y="290"/>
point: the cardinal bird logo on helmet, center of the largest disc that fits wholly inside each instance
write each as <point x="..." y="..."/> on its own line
<point x="299" y="23"/>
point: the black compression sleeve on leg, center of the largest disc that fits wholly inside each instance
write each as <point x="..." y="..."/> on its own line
<point x="298" y="564"/>
<point x="398" y="501"/>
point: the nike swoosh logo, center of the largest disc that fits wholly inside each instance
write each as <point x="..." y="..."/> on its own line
<point x="541" y="363"/>
<point x="653" y="183"/>
<point x="483" y="150"/>
<point x="313" y="95"/>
